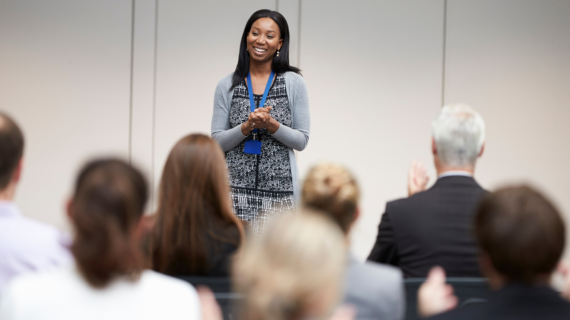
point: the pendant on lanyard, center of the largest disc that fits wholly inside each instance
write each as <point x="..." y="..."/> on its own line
<point x="253" y="146"/>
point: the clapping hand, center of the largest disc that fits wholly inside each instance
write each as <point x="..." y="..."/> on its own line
<point x="434" y="295"/>
<point x="564" y="269"/>
<point x="417" y="178"/>
<point x="260" y="118"/>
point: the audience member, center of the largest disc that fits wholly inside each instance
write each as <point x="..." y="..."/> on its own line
<point x="375" y="290"/>
<point x="196" y="232"/>
<point x="293" y="271"/>
<point x="521" y="237"/>
<point x="433" y="227"/>
<point x="25" y="245"/>
<point x="108" y="280"/>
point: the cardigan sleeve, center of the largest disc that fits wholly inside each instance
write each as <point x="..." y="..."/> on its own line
<point x="227" y="137"/>
<point x="296" y="137"/>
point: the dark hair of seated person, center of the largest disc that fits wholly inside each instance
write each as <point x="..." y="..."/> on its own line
<point x="196" y="232"/>
<point x="107" y="205"/>
<point x="521" y="233"/>
<point x="11" y="148"/>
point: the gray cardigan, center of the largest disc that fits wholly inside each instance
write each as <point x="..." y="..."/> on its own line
<point x="295" y="138"/>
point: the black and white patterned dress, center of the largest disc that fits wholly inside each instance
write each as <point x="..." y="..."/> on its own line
<point x="261" y="185"/>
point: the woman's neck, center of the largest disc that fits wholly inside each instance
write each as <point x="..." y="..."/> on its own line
<point x="259" y="69"/>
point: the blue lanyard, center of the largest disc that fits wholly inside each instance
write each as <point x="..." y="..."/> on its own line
<point x="250" y="90"/>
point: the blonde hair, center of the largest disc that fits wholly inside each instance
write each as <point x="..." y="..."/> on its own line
<point x="293" y="270"/>
<point x="332" y="189"/>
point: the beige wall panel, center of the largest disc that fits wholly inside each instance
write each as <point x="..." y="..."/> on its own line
<point x="142" y="117"/>
<point x="510" y="59"/>
<point x="198" y="44"/>
<point x="290" y="10"/>
<point x="373" y="70"/>
<point x="64" y="76"/>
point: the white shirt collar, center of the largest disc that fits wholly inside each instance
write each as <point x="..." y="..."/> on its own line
<point x="9" y="209"/>
<point x="455" y="173"/>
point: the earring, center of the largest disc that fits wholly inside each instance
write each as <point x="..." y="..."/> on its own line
<point x="278" y="53"/>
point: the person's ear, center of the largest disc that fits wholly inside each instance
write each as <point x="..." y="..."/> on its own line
<point x="482" y="149"/>
<point x="68" y="209"/>
<point x="280" y="44"/>
<point x="433" y="146"/>
<point x="18" y="172"/>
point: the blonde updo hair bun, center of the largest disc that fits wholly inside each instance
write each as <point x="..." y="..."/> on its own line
<point x="293" y="271"/>
<point x="332" y="189"/>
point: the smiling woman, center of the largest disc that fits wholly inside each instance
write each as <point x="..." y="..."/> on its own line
<point x="261" y="114"/>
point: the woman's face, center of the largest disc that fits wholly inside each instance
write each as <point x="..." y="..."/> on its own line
<point x="263" y="40"/>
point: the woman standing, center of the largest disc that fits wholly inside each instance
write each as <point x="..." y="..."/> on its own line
<point x="261" y="114"/>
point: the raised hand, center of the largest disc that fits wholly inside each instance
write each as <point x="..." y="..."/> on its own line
<point x="564" y="269"/>
<point x="434" y="295"/>
<point x="417" y="178"/>
<point x="208" y="304"/>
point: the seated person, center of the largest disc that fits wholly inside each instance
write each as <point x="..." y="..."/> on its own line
<point x="195" y="232"/>
<point x="433" y="227"/>
<point x="293" y="271"/>
<point x="26" y="245"/>
<point x="375" y="290"/>
<point x="521" y="237"/>
<point x="109" y="280"/>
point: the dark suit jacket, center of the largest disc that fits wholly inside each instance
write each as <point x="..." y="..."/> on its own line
<point x="515" y="301"/>
<point x="431" y="228"/>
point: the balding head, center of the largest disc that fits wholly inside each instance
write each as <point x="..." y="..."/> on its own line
<point x="11" y="149"/>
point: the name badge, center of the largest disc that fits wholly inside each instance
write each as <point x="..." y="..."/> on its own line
<point x="252" y="147"/>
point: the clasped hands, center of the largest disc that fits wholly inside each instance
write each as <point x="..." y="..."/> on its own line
<point x="260" y="119"/>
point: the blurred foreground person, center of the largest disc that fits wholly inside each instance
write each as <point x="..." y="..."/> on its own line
<point x="196" y="232"/>
<point x="375" y="290"/>
<point x="521" y="237"/>
<point x="293" y="271"/>
<point x="25" y="245"/>
<point x="433" y="227"/>
<point x="108" y="280"/>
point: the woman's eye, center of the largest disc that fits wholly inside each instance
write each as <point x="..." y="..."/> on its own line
<point x="270" y="37"/>
<point x="254" y="33"/>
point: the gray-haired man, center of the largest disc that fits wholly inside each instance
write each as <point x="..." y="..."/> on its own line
<point x="433" y="227"/>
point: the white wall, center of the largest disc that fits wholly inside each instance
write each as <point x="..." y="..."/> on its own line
<point x="65" y="78"/>
<point x="377" y="74"/>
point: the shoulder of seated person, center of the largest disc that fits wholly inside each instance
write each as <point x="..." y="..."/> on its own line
<point x="384" y="270"/>
<point x="153" y="278"/>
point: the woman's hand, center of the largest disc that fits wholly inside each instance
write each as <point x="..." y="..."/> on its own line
<point x="260" y="119"/>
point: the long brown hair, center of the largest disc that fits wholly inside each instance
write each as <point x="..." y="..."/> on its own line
<point x="107" y="205"/>
<point x="193" y="206"/>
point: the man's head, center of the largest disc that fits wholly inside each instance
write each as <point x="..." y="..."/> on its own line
<point x="11" y="150"/>
<point x="520" y="233"/>
<point x="332" y="189"/>
<point x="458" y="136"/>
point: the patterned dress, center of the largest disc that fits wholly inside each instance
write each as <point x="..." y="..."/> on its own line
<point x="261" y="185"/>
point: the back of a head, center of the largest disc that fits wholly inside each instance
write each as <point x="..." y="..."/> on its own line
<point x="294" y="270"/>
<point x="107" y="204"/>
<point x="522" y="233"/>
<point x="11" y="148"/>
<point x="332" y="189"/>
<point x="459" y="134"/>
<point x="193" y="203"/>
